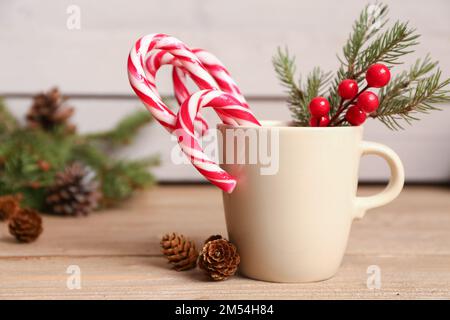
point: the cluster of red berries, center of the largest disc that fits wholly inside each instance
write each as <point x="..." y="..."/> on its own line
<point x="377" y="76"/>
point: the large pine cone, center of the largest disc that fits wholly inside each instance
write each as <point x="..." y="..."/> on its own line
<point x="49" y="111"/>
<point x="26" y="225"/>
<point x="180" y="251"/>
<point x="219" y="258"/>
<point x="74" y="193"/>
<point x="9" y="205"/>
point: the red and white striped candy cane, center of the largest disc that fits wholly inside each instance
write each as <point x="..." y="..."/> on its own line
<point x="156" y="59"/>
<point x="217" y="70"/>
<point x="143" y="83"/>
<point x="214" y="66"/>
<point x="223" y="103"/>
<point x="220" y="73"/>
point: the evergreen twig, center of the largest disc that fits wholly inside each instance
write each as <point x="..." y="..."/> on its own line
<point x="30" y="159"/>
<point x="284" y="66"/>
<point x="412" y="92"/>
<point x="371" y="19"/>
<point x="415" y="91"/>
<point x="388" y="47"/>
<point x="124" y="131"/>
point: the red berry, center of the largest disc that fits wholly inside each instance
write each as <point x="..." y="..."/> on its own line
<point x="319" y="106"/>
<point x="348" y="88"/>
<point x="355" y="115"/>
<point x="368" y="101"/>
<point x="319" y="121"/>
<point x="378" y="75"/>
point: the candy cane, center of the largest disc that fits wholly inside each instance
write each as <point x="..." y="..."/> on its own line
<point x="217" y="70"/>
<point x="214" y="66"/>
<point x="151" y="52"/>
<point x="223" y="103"/>
<point x="158" y="58"/>
<point x="143" y="83"/>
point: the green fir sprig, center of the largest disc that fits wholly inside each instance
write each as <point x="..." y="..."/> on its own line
<point x="410" y="93"/>
<point x="124" y="131"/>
<point x="23" y="150"/>
<point x="415" y="91"/>
<point x="370" y="21"/>
<point x="299" y="95"/>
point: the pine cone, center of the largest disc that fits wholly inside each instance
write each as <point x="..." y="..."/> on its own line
<point x="213" y="237"/>
<point x="49" y="111"/>
<point x="9" y="205"/>
<point x="26" y="225"/>
<point x="180" y="251"/>
<point x="219" y="258"/>
<point x="74" y="193"/>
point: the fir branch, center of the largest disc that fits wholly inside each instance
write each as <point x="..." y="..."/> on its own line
<point x="370" y="21"/>
<point x="90" y="155"/>
<point x="23" y="151"/>
<point x="388" y="47"/>
<point x="315" y="83"/>
<point x="401" y="83"/>
<point x="284" y="66"/>
<point x="119" y="178"/>
<point x="124" y="131"/>
<point x="298" y="96"/>
<point x="411" y="93"/>
<point x="314" y="86"/>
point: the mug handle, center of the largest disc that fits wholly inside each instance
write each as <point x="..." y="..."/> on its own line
<point x="396" y="181"/>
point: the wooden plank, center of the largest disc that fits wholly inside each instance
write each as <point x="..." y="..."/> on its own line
<point x="416" y="223"/>
<point x="134" y="229"/>
<point x="404" y="277"/>
<point x="118" y="252"/>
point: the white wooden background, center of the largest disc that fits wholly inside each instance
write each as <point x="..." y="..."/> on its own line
<point x="37" y="51"/>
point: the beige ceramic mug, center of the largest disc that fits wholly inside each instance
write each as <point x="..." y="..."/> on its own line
<point x="292" y="225"/>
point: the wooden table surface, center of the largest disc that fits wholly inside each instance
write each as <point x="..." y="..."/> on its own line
<point x="118" y="252"/>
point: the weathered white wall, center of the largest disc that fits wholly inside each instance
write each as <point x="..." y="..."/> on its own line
<point x="37" y="51"/>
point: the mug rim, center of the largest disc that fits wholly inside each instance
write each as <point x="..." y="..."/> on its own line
<point x="287" y="125"/>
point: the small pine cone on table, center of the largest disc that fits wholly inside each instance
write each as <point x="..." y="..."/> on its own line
<point x="180" y="252"/>
<point x="9" y="205"/>
<point x="49" y="111"/>
<point x="26" y="225"/>
<point x="219" y="258"/>
<point x="74" y="193"/>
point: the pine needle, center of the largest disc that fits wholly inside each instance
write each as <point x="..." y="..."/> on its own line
<point x="298" y="96"/>
<point x="370" y="21"/>
<point x="411" y="93"/>
<point x="388" y="47"/>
